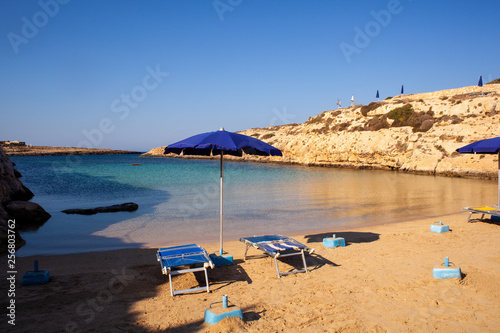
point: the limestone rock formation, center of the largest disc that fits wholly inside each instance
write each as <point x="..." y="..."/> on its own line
<point x="416" y="133"/>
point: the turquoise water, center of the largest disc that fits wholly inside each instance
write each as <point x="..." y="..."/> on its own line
<point x="179" y="200"/>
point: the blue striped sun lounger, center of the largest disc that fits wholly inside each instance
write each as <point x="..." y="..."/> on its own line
<point x="486" y="210"/>
<point x="184" y="259"/>
<point x="278" y="246"/>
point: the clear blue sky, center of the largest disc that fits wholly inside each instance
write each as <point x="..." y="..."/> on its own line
<point x="141" y="74"/>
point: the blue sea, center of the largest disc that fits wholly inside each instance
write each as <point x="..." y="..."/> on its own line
<point x="179" y="200"/>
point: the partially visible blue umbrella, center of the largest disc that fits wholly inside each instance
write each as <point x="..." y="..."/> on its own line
<point x="377" y="96"/>
<point x="480" y="83"/>
<point x="219" y="143"/>
<point x="402" y="89"/>
<point x="487" y="146"/>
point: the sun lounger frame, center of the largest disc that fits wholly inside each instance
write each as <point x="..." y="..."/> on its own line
<point x="175" y="259"/>
<point x="482" y="210"/>
<point x="282" y="248"/>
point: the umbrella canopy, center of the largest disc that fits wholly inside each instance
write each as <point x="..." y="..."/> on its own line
<point x="222" y="142"/>
<point x="219" y="143"/>
<point x="378" y="95"/>
<point x="480" y="83"/>
<point x="487" y="146"/>
<point x="402" y="89"/>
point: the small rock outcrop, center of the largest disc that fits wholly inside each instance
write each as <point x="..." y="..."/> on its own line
<point x="125" y="207"/>
<point x="29" y="216"/>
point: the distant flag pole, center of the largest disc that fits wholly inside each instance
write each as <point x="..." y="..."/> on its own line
<point x="480" y="83"/>
<point x="402" y="89"/>
<point x="377" y="96"/>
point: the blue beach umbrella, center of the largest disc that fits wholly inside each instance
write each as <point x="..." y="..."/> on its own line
<point x="487" y="146"/>
<point x="480" y="83"/>
<point x="222" y="143"/>
<point x="402" y="89"/>
<point x="377" y="96"/>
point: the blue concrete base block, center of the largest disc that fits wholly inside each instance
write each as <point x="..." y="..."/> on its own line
<point x="215" y="314"/>
<point x="32" y="278"/>
<point x="439" y="228"/>
<point x="333" y="242"/>
<point x="222" y="260"/>
<point x="442" y="273"/>
<point x="446" y="272"/>
<point x="495" y="218"/>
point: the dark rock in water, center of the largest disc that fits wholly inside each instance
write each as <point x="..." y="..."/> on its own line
<point x="6" y="224"/>
<point x="28" y="215"/>
<point x="128" y="206"/>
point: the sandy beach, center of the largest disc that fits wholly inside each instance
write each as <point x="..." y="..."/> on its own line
<point x="380" y="282"/>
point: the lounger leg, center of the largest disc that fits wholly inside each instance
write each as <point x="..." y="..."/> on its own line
<point x="170" y="279"/>
<point x="245" y="255"/>
<point x="304" y="260"/>
<point x="206" y="280"/>
<point x="470" y="214"/>
<point x="277" y="269"/>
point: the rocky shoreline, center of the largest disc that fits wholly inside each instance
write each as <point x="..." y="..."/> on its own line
<point x="17" y="213"/>
<point x="60" y="151"/>
<point x="416" y="133"/>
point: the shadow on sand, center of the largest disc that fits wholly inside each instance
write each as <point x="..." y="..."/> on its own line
<point x="349" y="236"/>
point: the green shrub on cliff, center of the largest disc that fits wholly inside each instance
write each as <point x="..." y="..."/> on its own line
<point x="406" y="116"/>
<point x="402" y="113"/>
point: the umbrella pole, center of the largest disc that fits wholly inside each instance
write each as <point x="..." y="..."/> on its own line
<point x="221" y="198"/>
<point x="498" y="203"/>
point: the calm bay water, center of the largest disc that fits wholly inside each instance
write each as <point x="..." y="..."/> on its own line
<point x="179" y="200"/>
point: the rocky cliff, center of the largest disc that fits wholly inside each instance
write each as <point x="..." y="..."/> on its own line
<point x="412" y="133"/>
<point x="16" y="213"/>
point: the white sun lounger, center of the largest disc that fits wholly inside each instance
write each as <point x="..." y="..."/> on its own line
<point x="184" y="259"/>
<point x="277" y="246"/>
<point x="486" y="210"/>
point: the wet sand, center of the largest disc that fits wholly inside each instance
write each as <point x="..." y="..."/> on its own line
<point x="380" y="282"/>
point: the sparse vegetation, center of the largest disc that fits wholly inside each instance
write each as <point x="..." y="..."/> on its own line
<point x="495" y="81"/>
<point x="406" y="116"/>
<point x="376" y="123"/>
<point x="370" y="107"/>
<point x="316" y="119"/>
<point x="340" y="127"/>
<point x="402" y="113"/>
<point x="267" y="136"/>
<point x="441" y="149"/>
